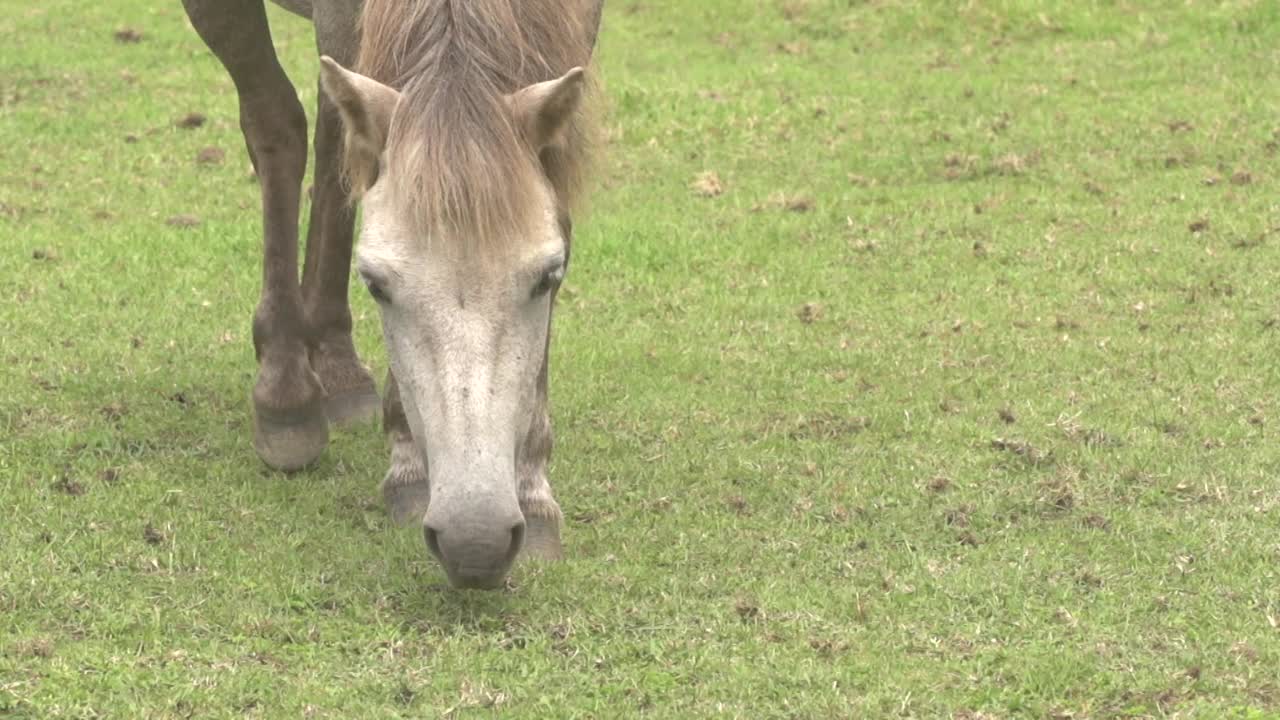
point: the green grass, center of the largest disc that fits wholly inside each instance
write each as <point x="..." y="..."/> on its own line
<point x="941" y="409"/>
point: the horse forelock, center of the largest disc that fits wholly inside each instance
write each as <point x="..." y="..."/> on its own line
<point x="457" y="160"/>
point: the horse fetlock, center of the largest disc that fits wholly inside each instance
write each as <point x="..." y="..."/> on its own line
<point x="351" y="396"/>
<point x="290" y="430"/>
<point x="542" y="514"/>
<point x="404" y="489"/>
<point x="287" y="387"/>
<point x="542" y="529"/>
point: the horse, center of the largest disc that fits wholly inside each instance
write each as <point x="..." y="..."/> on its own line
<point x="459" y="127"/>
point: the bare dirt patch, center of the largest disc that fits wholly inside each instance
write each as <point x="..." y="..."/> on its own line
<point x="959" y="165"/>
<point x="39" y="647"/>
<point x="784" y="201"/>
<point x="707" y="185"/>
<point x="182" y="221"/>
<point x="1057" y="495"/>
<point x="113" y="412"/>
<point x="1022" y="449"/>
<point x="69" y="485"/>
<point x="748" y="611"/>
<point x="1091" y="437"/>
<point x="958" y="517"/>
<point x="1015" y="164"/>
<point x="826" y="647"/>
<point x="1097" y="522"/>
<point x="828" y="426"/>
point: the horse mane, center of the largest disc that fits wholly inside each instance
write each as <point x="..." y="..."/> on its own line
<point x="459" y="161"/>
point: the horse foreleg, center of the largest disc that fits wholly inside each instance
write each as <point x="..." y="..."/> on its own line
<point x="542" y="514"/>
<point x="404" y="489"/>
<point x="290" y="429"/>
<point x="350" y="393"/>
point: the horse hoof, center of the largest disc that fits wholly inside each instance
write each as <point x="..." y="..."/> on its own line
<point x="355" y="406"/>
<point x="542" y="539"/>
<point x="290" y="444"/>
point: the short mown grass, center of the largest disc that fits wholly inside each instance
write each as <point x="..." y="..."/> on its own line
<point x="917" y="360"/>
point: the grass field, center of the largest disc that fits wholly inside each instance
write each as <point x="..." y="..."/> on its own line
<point x="917" y="360"/>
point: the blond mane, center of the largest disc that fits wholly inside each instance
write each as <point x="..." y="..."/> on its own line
<point x="459" y="161"/>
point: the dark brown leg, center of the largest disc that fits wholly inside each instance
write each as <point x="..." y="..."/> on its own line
<point x="290" y="428"/>
<point x="404" y="489"/>
<point x="350" y="393"/>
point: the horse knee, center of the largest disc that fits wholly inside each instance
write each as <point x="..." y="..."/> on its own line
<point x="275" y="131"/>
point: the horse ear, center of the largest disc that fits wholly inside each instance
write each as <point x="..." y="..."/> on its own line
<point x="366" y="106"/>
<point x="543" y="109"/>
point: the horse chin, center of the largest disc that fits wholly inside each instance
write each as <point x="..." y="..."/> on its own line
<point x="469" y="579"/>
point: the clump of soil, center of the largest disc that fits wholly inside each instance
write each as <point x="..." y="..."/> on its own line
<point x="809" y="312"/>
<point x="748" y="610"/>
<point x="190" y="121"/>
<point x="152" y="536"/>
<point x="211" y="156"/>
<point x="69" y="485"/>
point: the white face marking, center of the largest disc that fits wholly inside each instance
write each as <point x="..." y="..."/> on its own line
<point x="466" y="339"/>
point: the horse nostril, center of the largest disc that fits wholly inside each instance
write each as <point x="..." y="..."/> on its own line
<point x="517" y="541"/>
<point x="433" y="541"/>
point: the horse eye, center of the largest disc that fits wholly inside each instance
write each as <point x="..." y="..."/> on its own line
<point x="549" y="280"/>
<point x="376" y="291"/>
